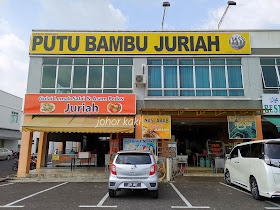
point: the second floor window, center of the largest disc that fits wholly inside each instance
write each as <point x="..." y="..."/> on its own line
<point x="195" y="77"/>
<point x="270" y="72"/>
<point x="14" y="117"/>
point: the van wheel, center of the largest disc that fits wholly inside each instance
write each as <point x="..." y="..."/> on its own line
<point x="255" y="189"/>
<point x="155" y="193"/>
<point x="112" y="193"/>
<point x="227" y="178"/>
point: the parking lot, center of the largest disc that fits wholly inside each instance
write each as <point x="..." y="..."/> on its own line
<point x="186" y="192"/>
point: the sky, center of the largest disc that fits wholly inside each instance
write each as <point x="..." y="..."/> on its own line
<point x="19" y="17"/>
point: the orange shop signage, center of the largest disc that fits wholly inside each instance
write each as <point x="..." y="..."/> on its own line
<point x="83" y="104"/>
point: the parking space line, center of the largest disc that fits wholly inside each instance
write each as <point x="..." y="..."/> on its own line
<point x="99" y="205"/>
<point x="188" y="204"/>
<point x="10" y="204"/>
<point x="6" y="184"/>
<point x="235" y="188"/>
<point x="270" y="202"/>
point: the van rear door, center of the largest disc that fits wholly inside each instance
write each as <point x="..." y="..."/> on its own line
<point x="272" y="153"/>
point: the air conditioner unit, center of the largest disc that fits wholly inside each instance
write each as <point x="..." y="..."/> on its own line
<point x="140" y="79"/>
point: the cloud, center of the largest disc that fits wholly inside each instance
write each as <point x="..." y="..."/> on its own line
<point x="247" y="14"/>
<point x="13" y="61"/>
<point x="86" y="14"/>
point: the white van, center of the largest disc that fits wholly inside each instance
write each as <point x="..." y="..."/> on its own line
<point x="255" y="166"/>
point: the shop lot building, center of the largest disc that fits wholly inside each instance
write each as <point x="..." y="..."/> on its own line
<point x="97" y="88"/>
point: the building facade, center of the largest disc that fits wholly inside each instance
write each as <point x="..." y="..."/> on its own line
<point x="208" y="83"/>
<point x="10" y="121"/>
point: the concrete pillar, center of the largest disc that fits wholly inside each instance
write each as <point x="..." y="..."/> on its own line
<point x="46" y="154"/>
<point x="259" y="127"/>
<point x="41" y="149"/>
<point x="25" y="149"/>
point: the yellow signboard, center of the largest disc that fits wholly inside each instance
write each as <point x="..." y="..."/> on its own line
<point x="55" y="157"/>
<point x="140" y="43"/>
<point x="156" y="127"/>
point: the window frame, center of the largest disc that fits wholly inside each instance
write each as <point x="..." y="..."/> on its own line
<point x="87" y="89"/>
<point x="195" y="89"/>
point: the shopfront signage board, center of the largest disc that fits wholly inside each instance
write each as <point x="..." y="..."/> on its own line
<point x="272" y="102"/>
<point x="80" y="104"/>
<point x="140" y="43"/>
<point x="140" y="144"/>
<point x="242" y="127"/>
<point x="156" y="127"/>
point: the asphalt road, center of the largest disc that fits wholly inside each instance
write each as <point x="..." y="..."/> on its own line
<point x="6" y="168"/>
<point x="191" y="192"/>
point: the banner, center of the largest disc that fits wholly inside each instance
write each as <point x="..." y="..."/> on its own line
<point x="140" y="43"/>
<point x="272" y="102"/>
<point x="242" y="127"/>
<point x="83" y="104"/>
<point x="156" y="127"/>
<point x="140" y="144"/>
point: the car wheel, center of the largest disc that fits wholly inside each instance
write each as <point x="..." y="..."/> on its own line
<point x="255" y="189"/>
<point x="227" y="178"/>
<point x="112" y="193"/>
<point x="155" y="193"/>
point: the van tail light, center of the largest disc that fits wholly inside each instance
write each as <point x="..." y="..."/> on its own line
<point x="113" y="169"/>
<point x="153" y="170"/>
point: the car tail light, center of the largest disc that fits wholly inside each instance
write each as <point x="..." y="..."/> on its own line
<point x="113" y="169"/>
<point x="153" y="169"/>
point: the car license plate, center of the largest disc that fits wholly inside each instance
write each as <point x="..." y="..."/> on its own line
<point x="132" y="184"/>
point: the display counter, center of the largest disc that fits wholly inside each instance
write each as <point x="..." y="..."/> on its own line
<point x="65" y="160"/>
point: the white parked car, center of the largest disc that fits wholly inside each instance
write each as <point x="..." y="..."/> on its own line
<point x="5" y="154"/>
<point x="255" y="166"/>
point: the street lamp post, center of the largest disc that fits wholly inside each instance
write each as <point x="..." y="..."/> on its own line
<point x="229" y="3"/>
<point x="165" y="4"/>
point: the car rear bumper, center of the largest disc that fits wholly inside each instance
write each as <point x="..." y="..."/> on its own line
<point x="150" y="183"/>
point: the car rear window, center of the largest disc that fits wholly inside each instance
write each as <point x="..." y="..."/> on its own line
<point x="133" y="158"/>
<point x="272" y="150"/>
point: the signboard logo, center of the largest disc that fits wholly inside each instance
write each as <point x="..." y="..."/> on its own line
<point x="237" y="41"/>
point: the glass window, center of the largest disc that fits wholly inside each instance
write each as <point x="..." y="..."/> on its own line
<point x="133" y="159"/>
<point x="125" y="77"/>
<point x="171" y="92"/>
<point x="154" y="77"/>
<point x="187" y="93"/>
<point x="65" y="61"/>
<point x="201" y="61"/>
<point x="64" y="76"/>
<point x="267" y="61"/>
<point x="79" y="91"/>
<point x="110" y="76"/>
<point x="154" y="61"/>
<point x="216" y="61"/>
<point x="186" y="76"/>
<point x="202" y="76"/>
<point x="278" y="62"/>
<point x="110" y="91"/>
<point x="203" y="93"/>
<point x="126" y="61"/>
<point x="234" y="153"/>
<point x="49" y="76"/>
<point x="169" y="61"/>
<point x="110" y="61"/>
<point x="125" y="91"/>
<point x="95" y="61"/>
<point x="80" y="77"/>
<point x="236" y="92"/>
<point x="63" y="90"/>
<point x="52" y="61"/>
<point x="95" y="77"/>
<point x="256" y="150"/>
<point x="270" y="76"/>
<point x="185" y="61"/>
<point x="80" y="61"/>
<point x="47" y="91"/>
<point x="218" y="76"/>
<point x="170" y="76"/>
<point x="272" y="150"/>
<point x="245" y="150"/>
<point x="235" y="77"/>
<point x="219" y="92"/>
<point x="155" y="93"/>
<point x="14" y="117"/>
<point x="233" y="61"/>
<point x="94" y="91"/>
